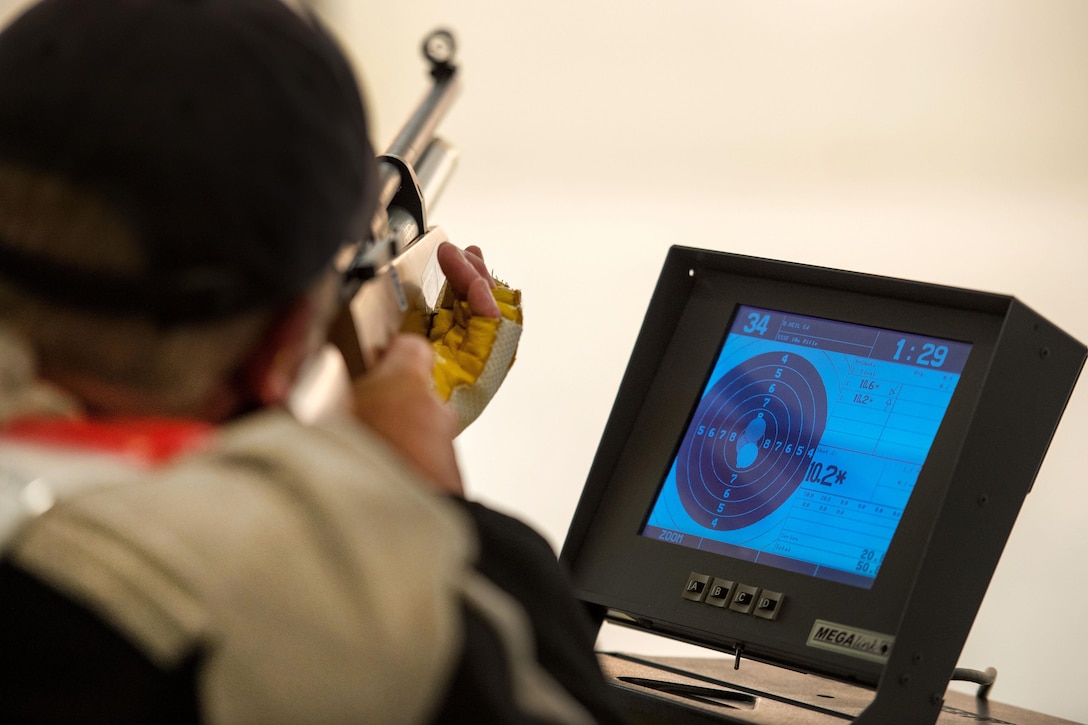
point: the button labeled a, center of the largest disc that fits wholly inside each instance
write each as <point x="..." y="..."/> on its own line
<point x="695" y="589"/>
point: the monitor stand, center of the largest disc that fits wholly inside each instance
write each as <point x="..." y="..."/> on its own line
<point x="701" y="690"/>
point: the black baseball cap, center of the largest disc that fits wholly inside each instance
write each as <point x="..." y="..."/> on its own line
<point x="229" y="134"/>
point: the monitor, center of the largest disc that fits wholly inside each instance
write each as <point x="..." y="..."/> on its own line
<point x="805" y="466"/>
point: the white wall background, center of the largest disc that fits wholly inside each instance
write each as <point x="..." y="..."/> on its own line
<point x="927" y="139"/>
<point x="933" y="140"/>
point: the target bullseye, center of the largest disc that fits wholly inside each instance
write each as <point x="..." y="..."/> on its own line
<point x="748" y="443"/>
<point x="750" y="440"/>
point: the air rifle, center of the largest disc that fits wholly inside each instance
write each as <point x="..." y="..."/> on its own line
<point x="393" y="282"/>
<point x="396" y="276"/>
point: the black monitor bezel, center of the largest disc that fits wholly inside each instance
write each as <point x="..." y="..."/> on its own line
<point x="640" y="581"/>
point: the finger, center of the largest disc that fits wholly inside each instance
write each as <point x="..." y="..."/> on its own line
<point x="459" y="269"/>
<point x="476" y="256"/>
<point x="480" y="300"/>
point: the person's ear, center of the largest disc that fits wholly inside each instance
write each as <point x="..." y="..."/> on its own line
<point x="274" y="364"/>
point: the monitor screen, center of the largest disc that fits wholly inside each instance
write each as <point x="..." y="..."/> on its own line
<point x="806" y="443"/>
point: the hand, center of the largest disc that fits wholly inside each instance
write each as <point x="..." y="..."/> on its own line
<point x="467" y="276"/>
<point x="397" y="401"/>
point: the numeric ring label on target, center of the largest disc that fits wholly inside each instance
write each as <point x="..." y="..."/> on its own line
<point x="750" y="440"/>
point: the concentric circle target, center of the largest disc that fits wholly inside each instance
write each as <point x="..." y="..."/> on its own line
<point x="750" y="440"/>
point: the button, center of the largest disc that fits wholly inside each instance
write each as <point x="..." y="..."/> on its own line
<point x="695" y="589"/>
<point x="718" y="593"/>
<point x="769" y="604"/>
<point x="744" y="598"/>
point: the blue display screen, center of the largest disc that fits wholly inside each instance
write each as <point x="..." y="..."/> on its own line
<point x="806" y="444"/>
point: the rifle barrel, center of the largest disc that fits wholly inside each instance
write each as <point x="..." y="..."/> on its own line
<point x="415" y="137"/>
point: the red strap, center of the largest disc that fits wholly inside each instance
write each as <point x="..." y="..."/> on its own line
<point x="152" y="440"/>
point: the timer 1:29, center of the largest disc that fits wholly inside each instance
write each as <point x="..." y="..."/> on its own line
<point x="932" y="354"/>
